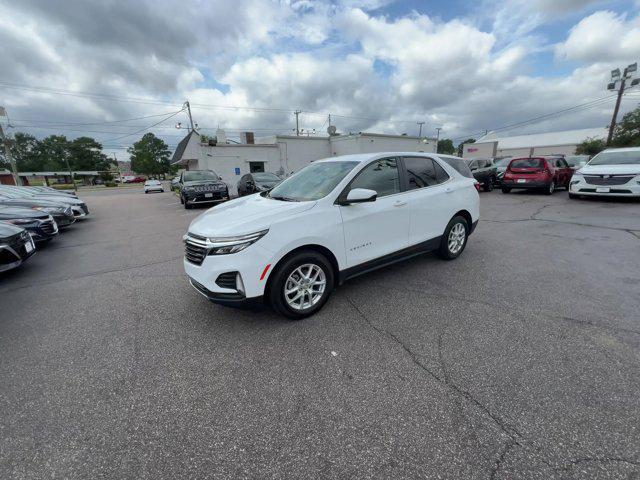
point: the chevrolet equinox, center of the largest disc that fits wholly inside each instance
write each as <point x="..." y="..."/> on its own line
<point x="334" y="219"/>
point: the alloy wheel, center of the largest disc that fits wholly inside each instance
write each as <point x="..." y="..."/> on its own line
<point x="456" y="238"/>
<point x="305" y="286"/>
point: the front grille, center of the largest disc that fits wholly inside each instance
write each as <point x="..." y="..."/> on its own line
<point x="206" y="188"/>
<point x="227" y="280"/>
<point x="47" y="227"/>
<point x="194" y="253"/>
<point x="607" y="179"/>
<point x="611" y="190"/>
<point x="85" y="209"/>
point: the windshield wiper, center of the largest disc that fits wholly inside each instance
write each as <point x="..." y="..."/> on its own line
<point x="284" y="199"/>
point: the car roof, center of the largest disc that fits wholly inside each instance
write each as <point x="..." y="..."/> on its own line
<point x="627" y="149"/>
<point x="366" y="157"/>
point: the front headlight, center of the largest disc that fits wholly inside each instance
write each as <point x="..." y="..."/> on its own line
<point x="226" y="245"/>
<point x="188" y="189"/>
<point x="576" y="178"/>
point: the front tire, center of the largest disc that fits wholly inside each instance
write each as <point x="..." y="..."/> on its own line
<point x="488" y="185"/>
<point x="454" y="239"/>
<point x="301" y="285"/>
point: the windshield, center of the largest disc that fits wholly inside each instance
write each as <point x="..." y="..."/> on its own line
<point x="616" y="158"/>
<point x="265" y="177"/>
<point x="312" y="182"/>
<point x="200" y="175"/>
<point x="503" y="162"/>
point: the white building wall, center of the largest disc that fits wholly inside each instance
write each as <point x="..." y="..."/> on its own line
<point x="298" y="152"/>
<point x="560" y="149"/>
<point x="484" y="149"/>
<point x="363" y="143"/>
<point x="232" y="161"/>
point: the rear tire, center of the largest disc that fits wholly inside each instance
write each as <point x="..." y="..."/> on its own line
<point x="488" y="185"/>
<point x="284" y="279"/>
<point x="550" y="189"/>
<point x="506" y="190"/>
<point x="454" y="239"/>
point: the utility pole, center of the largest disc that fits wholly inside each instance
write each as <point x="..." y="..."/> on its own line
<point x="616" y="77"/>
<point x="188" y="107"/>
<point x="117" y="166"/>
<point x="438" y="135"/>
<point x="420" y="124"/>
<point x="296" y="113"/>
<point x="7" y="150"/>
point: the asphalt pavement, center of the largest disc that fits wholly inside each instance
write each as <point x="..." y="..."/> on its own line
<point x="521" y="359"/>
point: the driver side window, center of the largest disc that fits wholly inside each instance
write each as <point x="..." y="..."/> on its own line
<point x="381" y="176"/>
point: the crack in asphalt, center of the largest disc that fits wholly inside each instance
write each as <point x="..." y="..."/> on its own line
<point x="617" y="229"/>
<point x="506" y="448"/>
<point x="508" y="430"/>
<point x="88" y="275"/>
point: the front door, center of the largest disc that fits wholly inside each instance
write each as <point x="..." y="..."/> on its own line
<point x="375" y="229"/>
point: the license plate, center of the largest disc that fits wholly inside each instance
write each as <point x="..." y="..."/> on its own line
<point x="602" y="190"/>
<point x="521" y="180"/>
<point x="208" y="195"/>
<point x="29" y="246"/>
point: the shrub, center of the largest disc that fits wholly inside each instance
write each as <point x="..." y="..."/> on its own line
<point x="62" y="186"/>
<point x="110" y="184"/>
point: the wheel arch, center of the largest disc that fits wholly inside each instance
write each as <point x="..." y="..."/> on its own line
<point x="313" y="247"/>
<point x="466" y="215"/>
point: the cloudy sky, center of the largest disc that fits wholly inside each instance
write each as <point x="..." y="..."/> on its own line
<point x="110" y="69"/>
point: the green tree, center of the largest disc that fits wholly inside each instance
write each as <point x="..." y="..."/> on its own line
<point x="23" y="150"/>
<point x="591" y="146"/>
<point x="150" y="155"/>
<point x="461" y="145"/>
<point x="85" y="153"/>
<point x="51" y="153"/>
<point x="627" y="132"/>
<point x="446" y="146"/>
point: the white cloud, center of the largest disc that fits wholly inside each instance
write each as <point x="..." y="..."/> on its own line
<point x="603" y="37"/>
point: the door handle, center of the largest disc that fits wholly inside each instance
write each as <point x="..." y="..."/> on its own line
<point x="399" y="203"/>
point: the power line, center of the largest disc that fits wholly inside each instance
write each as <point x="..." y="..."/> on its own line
<point x="146" y="128"/>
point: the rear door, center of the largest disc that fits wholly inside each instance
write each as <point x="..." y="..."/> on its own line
<point x="375" y="229"/>
<point x="430" y="194"/>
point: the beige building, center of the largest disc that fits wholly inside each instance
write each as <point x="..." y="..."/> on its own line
<point x="564" y="142"/>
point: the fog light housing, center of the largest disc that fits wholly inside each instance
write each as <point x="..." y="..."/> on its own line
<point x="239" y="284"/>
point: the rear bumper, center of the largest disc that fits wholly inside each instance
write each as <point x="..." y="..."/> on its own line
<point x="527" y="184"/>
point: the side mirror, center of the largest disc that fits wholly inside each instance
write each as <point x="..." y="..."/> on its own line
<point x="361" y="195"/>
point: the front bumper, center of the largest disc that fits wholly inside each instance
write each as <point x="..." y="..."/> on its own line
<point x="193" y="198"/>
<point x="46" y="230"/>
<point x="249" y="263"/>
<point x="63" y="220"/>
<point x="13" y="253"/>
<point x="628" y="189"/>
<point x="80" y="211"/>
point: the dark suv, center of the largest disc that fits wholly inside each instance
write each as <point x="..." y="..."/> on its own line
<point x="484" y="172"/>
<point x="202" y="186"/>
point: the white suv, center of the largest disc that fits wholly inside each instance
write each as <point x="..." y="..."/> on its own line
<point x="334" y="219"/>
<point x="615" y="172"/>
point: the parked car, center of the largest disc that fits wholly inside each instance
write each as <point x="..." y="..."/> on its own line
<point x="153" y="186"/>
<point x="576" y="162"/>
<point x="61" y="212"/>
<point x="79" y="208"/>
<point x="202" y="187"/>
<point x="483" y="171"/>
<point x="175" y="183"/>
<point x="40" y="225"/>
<point x="257" y="182"/>
<point x="541" y="173"/>
<point x="333" y="220"/>
<point x="614" y="172"/>
<point x="132" y="179"/>
<point x="16" y="246"/>
<point x="501" y="167"/>
<point x="43" y="189"/>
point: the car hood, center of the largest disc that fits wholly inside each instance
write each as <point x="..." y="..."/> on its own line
<point x="7" y="230"/>
<point x="244" y="215"/>
<point x="31" y="202"/>
<point x="610" y="169"/>
<point x="9" y="212"/>
<point x="66" y="199"/>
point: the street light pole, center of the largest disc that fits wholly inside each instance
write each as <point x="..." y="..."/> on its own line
<point x="420" y="124"/>
<point x="296" y="113"/>
<point x="7" y="150"/>
<point x="615" y="77"/>
<point x="437" y="137"/>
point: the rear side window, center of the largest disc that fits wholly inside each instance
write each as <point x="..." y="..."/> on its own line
<point x="527" y="163"/>
<point x="459" y="165"/>
<point x="381" y="176"/>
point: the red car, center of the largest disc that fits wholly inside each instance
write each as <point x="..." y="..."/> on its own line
<point x="540" y="173"/>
